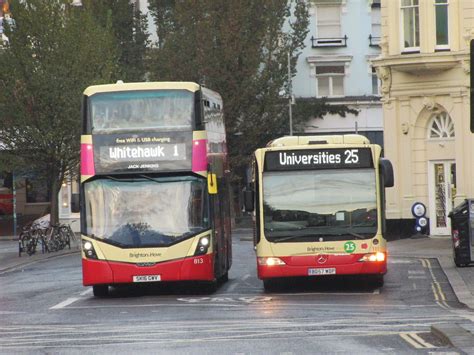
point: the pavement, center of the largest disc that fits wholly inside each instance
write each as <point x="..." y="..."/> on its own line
<point x="461" y="279"/>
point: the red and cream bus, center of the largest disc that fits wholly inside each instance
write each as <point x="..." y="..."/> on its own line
<point x="154" y="185"/>
<point x="318" y="206"/>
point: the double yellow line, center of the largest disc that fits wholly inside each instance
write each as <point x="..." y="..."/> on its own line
<point x="438" y="293"/>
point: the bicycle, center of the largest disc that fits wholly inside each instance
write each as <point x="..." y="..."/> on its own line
<point x="28" y="240"/>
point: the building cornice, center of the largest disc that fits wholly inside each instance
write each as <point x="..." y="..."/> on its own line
<point x="422" y="63"/>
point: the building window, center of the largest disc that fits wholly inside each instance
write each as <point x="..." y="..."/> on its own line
<point x="375" y="83"/>
<point x="410" y="25"/>
<point x="37" y="190"/>
<point x="441" y="10"/>
<point x="329" y="27"/>
<point x="375" y="33"/>
<point x="441" y="126"/>
<point x="330" y="80"/>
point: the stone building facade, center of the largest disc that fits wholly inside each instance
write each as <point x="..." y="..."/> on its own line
<point x="425" y="72"/>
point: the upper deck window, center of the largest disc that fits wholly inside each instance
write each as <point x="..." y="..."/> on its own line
<point x="141" y="110"/>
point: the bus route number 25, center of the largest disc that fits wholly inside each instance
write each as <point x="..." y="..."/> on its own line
<point x="352" y="156"/>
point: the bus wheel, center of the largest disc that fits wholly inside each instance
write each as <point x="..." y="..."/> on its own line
<point x="377" y="280"/>
<point x="100" y="290"/>
<point x="224" y="278"/>
<point x="210" y="286"/>
<point x="268" y="285"/>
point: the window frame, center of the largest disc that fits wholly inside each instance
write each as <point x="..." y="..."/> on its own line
<point x="436" y="5"/>
<point x="447" y="122"/>
<point x="403" y="11"/>
<point x="330" y="77"/>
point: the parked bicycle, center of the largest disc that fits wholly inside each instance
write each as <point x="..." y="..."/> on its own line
<point x="52" y="238"/>
<point x="29" y="239"/>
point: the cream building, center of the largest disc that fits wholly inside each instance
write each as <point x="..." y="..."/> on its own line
<point x="424" y="68"/>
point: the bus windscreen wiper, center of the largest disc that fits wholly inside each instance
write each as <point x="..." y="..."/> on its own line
<point x="282" y="239"/>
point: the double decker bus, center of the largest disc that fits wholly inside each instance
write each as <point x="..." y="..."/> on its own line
<point x="155" y="190"/>
<point x="318" y="205"/>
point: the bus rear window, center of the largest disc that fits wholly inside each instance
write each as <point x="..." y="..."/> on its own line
<point x="114" y="112"/>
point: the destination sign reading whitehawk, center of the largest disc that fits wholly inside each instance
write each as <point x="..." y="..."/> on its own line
<point x="122" y="153"/>
<point x="319" y="159"/>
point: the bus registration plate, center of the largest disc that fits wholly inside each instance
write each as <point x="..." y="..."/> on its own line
<point x="146" y="278"/>
<point x="322" y="271"/>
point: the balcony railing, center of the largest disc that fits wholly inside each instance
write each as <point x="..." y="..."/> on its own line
<point x="374" y="41"/>
<point x="329" y="42"/>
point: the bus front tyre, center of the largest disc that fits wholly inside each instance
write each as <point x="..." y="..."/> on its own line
<point x="100" y="290"/>
<point x="268" y="285"/>
<point x="378" y="280"/>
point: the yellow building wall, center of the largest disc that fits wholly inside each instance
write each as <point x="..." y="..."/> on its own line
<point x="416" y="86"/>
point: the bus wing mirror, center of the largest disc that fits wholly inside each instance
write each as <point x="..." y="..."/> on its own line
<point x="212" y="183"/>
<point x="248" y="199"/>
<point x="75" y="204"/>
<point x="387" y="172"/>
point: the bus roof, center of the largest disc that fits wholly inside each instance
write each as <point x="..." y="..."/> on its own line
<point x="307" y="140"/>
<point x="157" y="85"/>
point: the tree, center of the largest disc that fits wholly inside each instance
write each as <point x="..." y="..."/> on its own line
<point x="240" y="49"/>
<point x="129" y="28"/>
<point x="55" y="52"/>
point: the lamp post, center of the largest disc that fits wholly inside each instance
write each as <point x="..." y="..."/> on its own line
<point x="290" y="94"/>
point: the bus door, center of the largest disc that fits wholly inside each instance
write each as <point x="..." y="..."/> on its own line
<point x="218" y="214"/>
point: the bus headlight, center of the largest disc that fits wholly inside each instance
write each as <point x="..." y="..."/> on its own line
<point x="88" y="250"/>
<point x="378" y="256"/>
<point x="203" y="246"/>
<point x="270" y="261"/>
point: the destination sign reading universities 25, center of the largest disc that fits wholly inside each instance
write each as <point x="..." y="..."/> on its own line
<point x="338" y="158"/>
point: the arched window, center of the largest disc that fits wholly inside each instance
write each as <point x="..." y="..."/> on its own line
<point x="441" y="126"/>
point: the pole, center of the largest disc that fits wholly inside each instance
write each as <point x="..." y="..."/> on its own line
<point x="290" y="94"/>
<point x="14" y="203"/>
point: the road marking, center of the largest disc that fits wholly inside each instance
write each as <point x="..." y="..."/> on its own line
<point x="246" y="277"/>
<point x="416" y="341"/>
<point x="254" y="299"/>
<point x="417" y="277"/>
<point x="86" y="292"/>
<point x="438" y="293"/>
<point x="232" y="286"/>
<point x="65" y="303"/>
<point x="416" y="272"/>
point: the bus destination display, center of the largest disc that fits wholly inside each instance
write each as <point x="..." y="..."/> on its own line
<point x="337" y="158"/>
<point x="142" y="152"/>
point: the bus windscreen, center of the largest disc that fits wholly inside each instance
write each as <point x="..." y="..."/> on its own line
<point x="152" y="212"/>
<point x="123" y="111"/>
<point x="320" y="205"/>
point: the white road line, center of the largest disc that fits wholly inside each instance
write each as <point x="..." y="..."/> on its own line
<point x="417" y="277"/>
<point x="65" y="303"/>
<point x="246" y="277"/>
<point x="86" y="292"/>
<point x="233" y="286"/>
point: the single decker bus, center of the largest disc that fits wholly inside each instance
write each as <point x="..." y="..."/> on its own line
<point x="155" y="202"/>
<point x="319" y="207"/>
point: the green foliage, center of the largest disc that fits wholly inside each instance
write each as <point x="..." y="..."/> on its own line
<point x="129" y="28"/>
<point x="55" y="52"/>
<point x="240" y="49"/>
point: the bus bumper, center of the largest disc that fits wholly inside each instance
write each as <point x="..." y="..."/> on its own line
<point x="341" y="267"/>
<point x="199" y="268"/>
